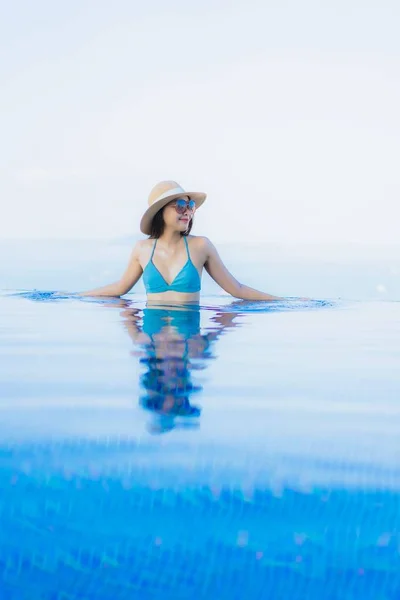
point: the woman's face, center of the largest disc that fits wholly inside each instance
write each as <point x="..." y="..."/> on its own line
<point x="173" y="219"/>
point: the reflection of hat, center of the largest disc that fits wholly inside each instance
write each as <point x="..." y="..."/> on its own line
<point x="160" y="195"/>
<point x="180" y="414"/>
<point x="161" y="423"/>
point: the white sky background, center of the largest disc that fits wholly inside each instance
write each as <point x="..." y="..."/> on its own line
<point x="286" y="113"/>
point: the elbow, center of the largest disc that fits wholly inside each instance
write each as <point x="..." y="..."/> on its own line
<point x="123" y="287"/>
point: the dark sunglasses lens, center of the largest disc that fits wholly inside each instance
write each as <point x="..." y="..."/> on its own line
<point x="180" y="206"/>
<point x="191" y="205"/>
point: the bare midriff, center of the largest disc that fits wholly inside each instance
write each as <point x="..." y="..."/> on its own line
<point x="174" y="297"/>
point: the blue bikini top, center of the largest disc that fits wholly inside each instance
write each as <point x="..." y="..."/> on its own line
<point x="187" y="280"/>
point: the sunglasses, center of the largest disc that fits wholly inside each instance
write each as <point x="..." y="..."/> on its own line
<point x="182" y="205"/>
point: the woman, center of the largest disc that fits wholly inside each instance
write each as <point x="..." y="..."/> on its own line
<point x="170" y="260"/>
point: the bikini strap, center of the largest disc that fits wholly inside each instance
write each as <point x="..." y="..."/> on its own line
<point x="187" y="247"/>
<point x="154" y="247"/>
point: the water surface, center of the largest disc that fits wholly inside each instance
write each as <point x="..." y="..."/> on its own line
<point x="232" y="450"/>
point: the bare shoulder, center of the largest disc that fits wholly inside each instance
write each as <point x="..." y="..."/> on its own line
<point x="143" y="247"/>
<point x="143" y="244"/>
<point x="200" y="243"/>
<point x="140" y="252"/>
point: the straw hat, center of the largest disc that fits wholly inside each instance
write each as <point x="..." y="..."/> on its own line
<point x="160" y="195"/>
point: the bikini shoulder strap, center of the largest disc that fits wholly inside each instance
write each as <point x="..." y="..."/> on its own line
<point x="154" y="247"/>
<point x="187" y="247"/>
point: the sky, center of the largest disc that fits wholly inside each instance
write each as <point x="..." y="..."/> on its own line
<point x="285" y="113"/>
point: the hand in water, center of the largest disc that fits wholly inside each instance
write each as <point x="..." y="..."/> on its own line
<point x="298" y="299"/>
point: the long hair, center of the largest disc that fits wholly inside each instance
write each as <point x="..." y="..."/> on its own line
<point x="157" y="225"/>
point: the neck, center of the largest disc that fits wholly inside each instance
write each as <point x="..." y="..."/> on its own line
<point x="170" y="237"/>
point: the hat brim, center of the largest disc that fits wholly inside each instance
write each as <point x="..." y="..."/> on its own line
<point x="145" y="223"/>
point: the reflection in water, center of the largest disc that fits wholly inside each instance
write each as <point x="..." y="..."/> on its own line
<point x="170" y="346"/>
<point x="116" y="516"/>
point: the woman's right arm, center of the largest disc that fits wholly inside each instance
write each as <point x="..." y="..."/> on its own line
<point x="130" y="277"/>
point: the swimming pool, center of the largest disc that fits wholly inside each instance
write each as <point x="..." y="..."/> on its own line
<point x="235" y="450"/>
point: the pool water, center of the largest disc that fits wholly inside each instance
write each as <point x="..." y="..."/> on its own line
<point x="233" y="450"/>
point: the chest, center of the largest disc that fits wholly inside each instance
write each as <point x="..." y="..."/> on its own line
<point x="172" y="265"/>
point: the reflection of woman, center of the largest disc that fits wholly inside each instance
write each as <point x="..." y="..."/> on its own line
<point x="170" y="260"/>
<point x="169" y="340"/>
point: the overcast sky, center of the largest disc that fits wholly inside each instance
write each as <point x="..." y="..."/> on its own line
<point x="286" y="113"/>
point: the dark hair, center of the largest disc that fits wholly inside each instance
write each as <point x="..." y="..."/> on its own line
<point x="157" y="225"/>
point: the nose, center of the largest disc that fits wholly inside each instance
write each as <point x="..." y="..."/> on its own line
<point x="186" y="212"/>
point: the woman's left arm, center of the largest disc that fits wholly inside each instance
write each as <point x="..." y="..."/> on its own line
<point x="218" y="271"/>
